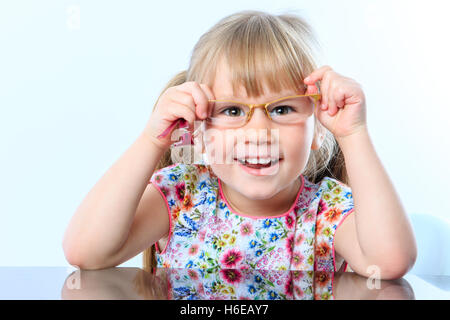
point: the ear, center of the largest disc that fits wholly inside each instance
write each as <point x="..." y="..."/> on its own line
<point x="319" y="136"/>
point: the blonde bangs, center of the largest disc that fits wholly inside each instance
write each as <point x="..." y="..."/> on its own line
<point x="261" y="51"/>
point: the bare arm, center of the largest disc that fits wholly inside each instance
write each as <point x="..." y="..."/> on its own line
<point x="378" y="232"/>
<point x="123" y="215"/>
<point x="115" y="221"/>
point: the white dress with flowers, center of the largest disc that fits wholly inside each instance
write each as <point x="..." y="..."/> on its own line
<point x="206" y="233"/>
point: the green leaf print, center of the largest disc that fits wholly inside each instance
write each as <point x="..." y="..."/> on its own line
<point x="270" y="249"/>
<point x="196" y="215"/>
<point x="331" y="184"/>
<point x="269" y="282"/>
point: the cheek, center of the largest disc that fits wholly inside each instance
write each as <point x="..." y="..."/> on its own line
<point x="219" y="146"/>
<point x="300" y="147"/>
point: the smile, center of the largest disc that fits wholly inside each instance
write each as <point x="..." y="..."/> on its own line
<point x="259" y="166"/>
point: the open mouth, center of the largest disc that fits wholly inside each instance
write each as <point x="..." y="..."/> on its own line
<point x="258" y="163"/>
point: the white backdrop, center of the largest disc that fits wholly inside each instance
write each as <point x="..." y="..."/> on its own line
<point x="78" y="80"/>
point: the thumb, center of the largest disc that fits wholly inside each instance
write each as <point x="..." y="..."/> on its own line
<point x="312" y="89"/>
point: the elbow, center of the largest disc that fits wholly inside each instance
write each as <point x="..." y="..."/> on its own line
<point x="396" y="262"/>
<point x="75" y="258"/>
<point x="72" y="255"/>
<point x="398" y="266"/>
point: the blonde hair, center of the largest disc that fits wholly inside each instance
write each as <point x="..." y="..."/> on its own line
<point x="278" y="50"/>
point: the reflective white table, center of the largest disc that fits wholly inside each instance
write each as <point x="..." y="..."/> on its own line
<point x="55" y="283"/>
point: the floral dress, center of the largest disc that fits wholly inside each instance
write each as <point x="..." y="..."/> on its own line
<point x="205" y="233"/>
<point x="247" y="284"/>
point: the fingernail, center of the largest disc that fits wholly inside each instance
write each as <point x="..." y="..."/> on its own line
<point x="306" y="79"/>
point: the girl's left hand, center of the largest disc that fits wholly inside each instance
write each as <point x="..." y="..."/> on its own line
<point x="343" y="104"/>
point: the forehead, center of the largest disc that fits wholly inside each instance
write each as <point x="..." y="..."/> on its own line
<point x="222" y="87"/>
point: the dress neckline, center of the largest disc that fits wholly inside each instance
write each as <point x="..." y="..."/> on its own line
<point x="262" y="217"/>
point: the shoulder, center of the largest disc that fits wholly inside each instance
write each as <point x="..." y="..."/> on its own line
<point x="334" y="192"/>
<point x="335" y="201"/>
<point x="177" y="180"/>
<point x="179" y="172"/>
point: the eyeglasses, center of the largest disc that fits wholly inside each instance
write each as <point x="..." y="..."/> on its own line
<point x="287" y="110"/>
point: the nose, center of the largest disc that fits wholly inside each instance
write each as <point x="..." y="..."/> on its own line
<point x="258" y="129"/>
<point x="259" y="118"/>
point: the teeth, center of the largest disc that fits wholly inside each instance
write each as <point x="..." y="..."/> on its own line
<point x="264" y="161"/>
<point x="257" y="161"/>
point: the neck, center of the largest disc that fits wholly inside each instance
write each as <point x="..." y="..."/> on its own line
<point x="278" y="204"/>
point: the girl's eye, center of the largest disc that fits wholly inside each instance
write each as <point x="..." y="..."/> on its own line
<point x="281" y="110"/>
<point x="233" y="112"/>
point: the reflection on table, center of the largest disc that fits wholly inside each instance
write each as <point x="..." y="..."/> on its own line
<point x="212" y="284"/>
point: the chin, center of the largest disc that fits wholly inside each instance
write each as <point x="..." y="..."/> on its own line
<point x="259" y="191"/>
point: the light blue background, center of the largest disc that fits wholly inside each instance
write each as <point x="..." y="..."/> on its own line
<point x="74" y="96"/>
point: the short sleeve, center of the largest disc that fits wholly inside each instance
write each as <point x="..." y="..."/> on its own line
<point x="335" y="204"/>
<point x="169" y="181"/>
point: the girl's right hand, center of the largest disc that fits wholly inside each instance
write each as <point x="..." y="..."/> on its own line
<point x="188" y="101"/>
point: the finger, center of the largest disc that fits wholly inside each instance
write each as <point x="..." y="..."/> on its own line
<point x="324" y="88"/>
<point x="340" y="98"/>
<point x="184" y="98"/>
<point x="317" y="75"/>
<point x="312" y="89"/>
<point x="180" y="110"/>
<point x="332" y="108"/>
<point x="199" y="97"/>
<point x="210" y="95"/>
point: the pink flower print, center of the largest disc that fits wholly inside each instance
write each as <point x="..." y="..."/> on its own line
<point x="200" y="288"/>
<point x="289" y="288"/>
<point x="299" y="239"/>
<point x="231" y="275"/>
<point x="308" y="216"/>
<point x="290" y="243"/>
<point x="298" y="292"/>
<point x="231" y="258"/>
<point x="179" y="191"/>
<point x="165" y="190"/>
<point x="192" y="274"/>
<point x="289" y="221"/>
<point x="297" y="259"/>
<point x="193" y="250"/>
<point x="201" y="235"/>
<point x="297" y="275"/>
<point x="322" y="207"/>
<point x="246" y="229"/>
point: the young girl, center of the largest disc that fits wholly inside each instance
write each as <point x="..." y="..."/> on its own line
<point x="322" y="201"/>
